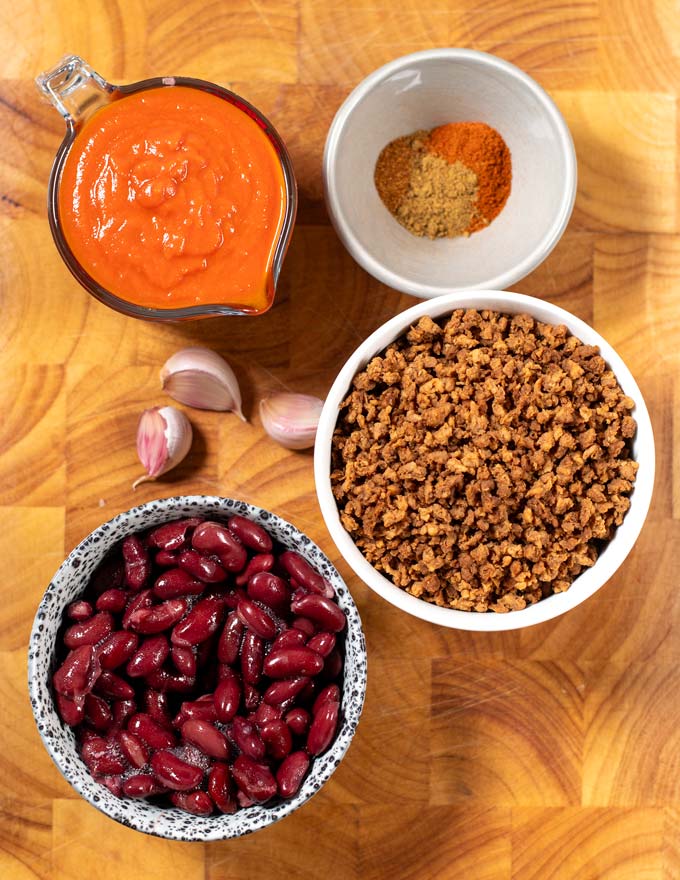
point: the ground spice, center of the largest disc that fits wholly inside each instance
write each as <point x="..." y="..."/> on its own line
<point x="483" y="150"/>
<point x="441" y="198"/>
<point x="447" y="182"/>
<point x="393" y="170"/>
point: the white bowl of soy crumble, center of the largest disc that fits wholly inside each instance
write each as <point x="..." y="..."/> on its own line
<point x="490" y="470"/>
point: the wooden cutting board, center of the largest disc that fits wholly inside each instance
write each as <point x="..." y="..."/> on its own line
<point x="551" y="753"/>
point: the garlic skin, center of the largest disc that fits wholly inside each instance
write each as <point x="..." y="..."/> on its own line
<point x="201" y="378"/>
<point x="164" y="437"/>
<point x="291" y="419"/>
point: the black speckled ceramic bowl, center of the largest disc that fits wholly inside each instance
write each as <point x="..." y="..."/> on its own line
<point x="70" y="581"/>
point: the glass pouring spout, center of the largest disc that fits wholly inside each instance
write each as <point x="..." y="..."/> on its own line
<point x="75" y="89"/>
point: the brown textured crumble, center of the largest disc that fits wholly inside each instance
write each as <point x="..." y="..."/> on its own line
<point x="481" y="462"/>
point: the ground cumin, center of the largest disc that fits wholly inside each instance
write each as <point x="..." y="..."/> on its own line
<point x="447" y="182"/>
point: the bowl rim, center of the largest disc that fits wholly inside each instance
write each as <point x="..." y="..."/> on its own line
<point x="351" y="241"/>
<point x="158" y="821"/>
<point x="589" y="581"/>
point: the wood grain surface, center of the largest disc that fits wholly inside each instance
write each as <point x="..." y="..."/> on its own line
<point x="550" y="753"/>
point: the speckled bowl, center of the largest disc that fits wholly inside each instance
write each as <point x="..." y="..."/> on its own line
<point x="70" y="581"/>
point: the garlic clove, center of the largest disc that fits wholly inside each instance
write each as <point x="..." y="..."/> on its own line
<point x="164" y="437"/>
<point x="201" y="378"/>
<point x="291" y="419"/>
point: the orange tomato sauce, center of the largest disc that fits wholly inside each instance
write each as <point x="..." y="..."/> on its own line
<point x="174" y="197"/>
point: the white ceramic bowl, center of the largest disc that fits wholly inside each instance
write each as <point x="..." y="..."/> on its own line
<point x="70" y="581"/>
<point x="586" y="583"/>
<point x="424" y="90"/>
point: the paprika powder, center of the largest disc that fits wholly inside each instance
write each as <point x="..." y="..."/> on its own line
<point x="484" y="151"/>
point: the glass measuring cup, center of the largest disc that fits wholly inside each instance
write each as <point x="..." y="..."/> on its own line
<point x="78" y="92"/>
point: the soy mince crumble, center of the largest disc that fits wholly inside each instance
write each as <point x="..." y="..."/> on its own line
<point x="483" y="461"/>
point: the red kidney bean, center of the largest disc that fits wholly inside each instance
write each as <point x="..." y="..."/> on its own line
<point x="174" y="773"/>
<point x="307" y="696"/>
<point x="196" y="709"/>
<point x="332" y="666"/>
<point x="243" y="801"/>
<point x="71" y="712"/>
<point x="330" y="694"/>
<point x="79" y="610"/>
<point x="140" y="600"/>
<point x="230" y="640"/>
<point x="78" y="673"/>
<point x="287" y="662"/>
<point x="253" y="779"/>
<point x="298" y="720"/>
<point x="137" y="563"/>
<point x="113" y="783"/>
<point x="122" y="710"/>
<point x="202" y="567"/>
<point x="250" y="533"/>
<point x="277" y="738"/>
<point x="113" y="686"/>
<point x="323" y="727"/>
<point x="150" y="656"/>
<point x="219" y="788"/>
<point x="162" y="680"/>
<point x="269" y="589"/>
<point x="173" y="535"/>
<point x="251" y="697"/>
<point x="284" y="692"/>
<point x="193" y="755"/>
<point x="198" y="803"/>
<point x="113" y="600"/>
<point x="323" y="643"/>
<point x="211" y="537"/>
<point x="156" y="705"/>
<point x="304" y="574"/>
<point x="305" y="625"/>
<point x="264" y="713"/>
<point x="149" y="730"/>
<point x="89" y="632"/>
<point x="175" y="583"/>
<point x="247" y="738"/>
<point x="252" y="616"/>
<point x="158" y="618"/>
<point x="98" y="713"/>
<point x="200" y="623"/>
<point x="252" y="654"/>
<point x="103" y="756"/>
<point x="109" y="574"/>
<point x="224" y="670"/>
<point x="84" y="734"/>
<point x="184" y="660"/>
<point x="289" y="638"/>
<point x="227" y="698"/>
<point x="135" y="750"/>
<point x="167" y="558"/>
<point x="206" y="651"/>
<point x="290" y="774"/>
<point x="142" y="785"/>
<point x="233" y="597"/>
<point x="257" y="563"/>
<point x="206" y="737"/>
<point x="319" y="610"/>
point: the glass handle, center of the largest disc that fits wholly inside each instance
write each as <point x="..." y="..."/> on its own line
<point x="74" y="88"/>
